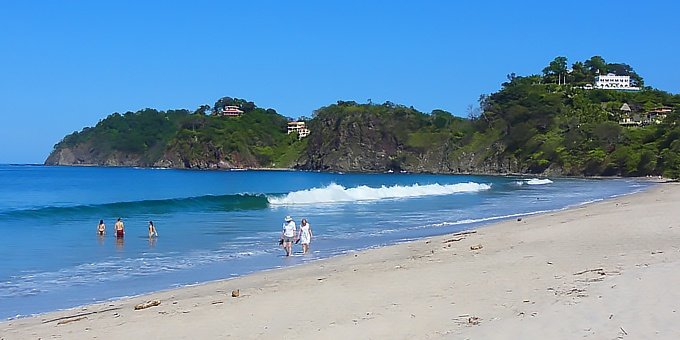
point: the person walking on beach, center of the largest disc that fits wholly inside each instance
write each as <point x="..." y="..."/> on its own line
<point x="152" y="230"/>
<point x="101" y="228"/>
<point x="120" y="228"/>
<point x="305" y="235"/>
<point x="288" y="235"/>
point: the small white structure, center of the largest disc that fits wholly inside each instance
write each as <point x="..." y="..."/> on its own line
<point x="299" y="128"/>
<point x="614" y="82"/>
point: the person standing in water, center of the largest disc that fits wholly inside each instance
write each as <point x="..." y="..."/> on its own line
<point x="119" y="228"/>
<point x="101" y="228"/>
<point x="305" y="235"/>
<point x="152" y="230"/>
<point x="288" y="235"/>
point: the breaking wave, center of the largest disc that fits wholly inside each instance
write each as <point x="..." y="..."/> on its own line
<point x="335" y="193"/>
<point x="534" y="181"/>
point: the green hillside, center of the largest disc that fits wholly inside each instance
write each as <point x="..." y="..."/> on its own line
<point x="554" y="123"/>
<point x="184" y="139"/>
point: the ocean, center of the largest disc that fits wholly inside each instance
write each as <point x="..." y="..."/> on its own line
<point x="221" y="224"/>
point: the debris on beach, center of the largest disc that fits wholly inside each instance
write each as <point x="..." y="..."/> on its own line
<point x="599" y="271"/>
<point x="468" y="320"/>
<point x="476" y="247"/>
<point x="71" y="320"/>
<point x="235" y="293"/>
<point x="459" y="236"/>
<point x="147" y="304"/>
<point x="473" y="320"/>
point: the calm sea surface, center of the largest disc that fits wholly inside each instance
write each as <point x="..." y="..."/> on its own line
<point x="220" y="224"/>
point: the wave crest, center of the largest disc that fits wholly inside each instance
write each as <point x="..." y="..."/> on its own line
<point x="335" y="193"/>
<point x="534" y="181"/>
<point x="161" y="206"/>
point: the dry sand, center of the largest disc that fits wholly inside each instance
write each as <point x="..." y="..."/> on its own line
<point x="609" y="270"/>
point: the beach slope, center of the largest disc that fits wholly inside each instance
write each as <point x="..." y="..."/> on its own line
<point x="606" y="270"/>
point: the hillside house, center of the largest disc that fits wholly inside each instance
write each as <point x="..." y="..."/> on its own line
<point x="614" y="82"/>
<point x="298" y="127"/>
<point x="229" y="111"/>
<point x="654" y="116"/>
<point x="627" y="116"/>
<point x="657" y="115"/>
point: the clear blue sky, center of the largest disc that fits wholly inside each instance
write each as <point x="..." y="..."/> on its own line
<point x="65" y="65"/>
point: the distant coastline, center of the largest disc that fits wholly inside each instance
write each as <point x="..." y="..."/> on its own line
<point x="548" y="124"/>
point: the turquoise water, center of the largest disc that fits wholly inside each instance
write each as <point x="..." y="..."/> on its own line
<point x="220" y="224"/>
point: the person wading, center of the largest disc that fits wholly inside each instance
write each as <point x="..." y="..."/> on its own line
<point x="288" y="235"/>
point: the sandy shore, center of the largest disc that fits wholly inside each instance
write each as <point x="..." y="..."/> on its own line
<point x="609" y="270"/>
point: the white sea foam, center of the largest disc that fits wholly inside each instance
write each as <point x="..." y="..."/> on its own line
<point x="487" y="219"/>
<point x="337" y="193"/>
<point x="534" y="181"/>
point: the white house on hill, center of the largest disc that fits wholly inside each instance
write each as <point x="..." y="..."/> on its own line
<point x="614" y="82"/>
<point x="298" y="127"/>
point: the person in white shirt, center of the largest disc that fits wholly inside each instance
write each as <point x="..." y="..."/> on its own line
<point x="288" y="235"/>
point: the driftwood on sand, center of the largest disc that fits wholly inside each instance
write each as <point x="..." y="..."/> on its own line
<point x="71" y="320"/>
<point x="147" y="304"/>
<point x="459" y="236"/>
<point x="596" y="270"/>
<point x="80" y="315"/>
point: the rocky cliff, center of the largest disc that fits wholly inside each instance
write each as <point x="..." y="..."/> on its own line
<point x="376" y="138"/>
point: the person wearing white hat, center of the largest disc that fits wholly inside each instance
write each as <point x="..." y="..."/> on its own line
<point x="288" y="235"/>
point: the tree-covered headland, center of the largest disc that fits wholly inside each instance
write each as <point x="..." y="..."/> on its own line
<point x="553" y="121"/>
<point x="184" y="139"/>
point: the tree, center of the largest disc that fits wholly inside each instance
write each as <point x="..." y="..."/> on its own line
<point x="556" y="70"/>
<point x="558" y="65"/>
<point x="473" y="112"/>
<point x="621" y="69"/>
<point x="579" y="73"/>
<point x="596" y="65"/>
<point x="203" y="109"/>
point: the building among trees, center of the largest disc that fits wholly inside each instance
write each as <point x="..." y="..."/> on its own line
<point x="229" y="111"/>
<point x="630" y="117"/>
<point x="298" y="127"/>
<point x="613" y="82"/>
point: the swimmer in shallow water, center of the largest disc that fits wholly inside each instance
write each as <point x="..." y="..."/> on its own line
<point x="101" y="228"/>
<point x="152" y="230"/>
<point x="119" y="227"/>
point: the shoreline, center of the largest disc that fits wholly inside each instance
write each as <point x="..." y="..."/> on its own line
<point x="656" y="179"/>
<point x="413" y="289"/>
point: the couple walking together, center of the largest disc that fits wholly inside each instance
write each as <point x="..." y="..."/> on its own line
<point x="290" y="234"/>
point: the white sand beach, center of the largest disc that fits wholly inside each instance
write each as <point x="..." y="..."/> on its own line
<point x="607" y="270"/>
